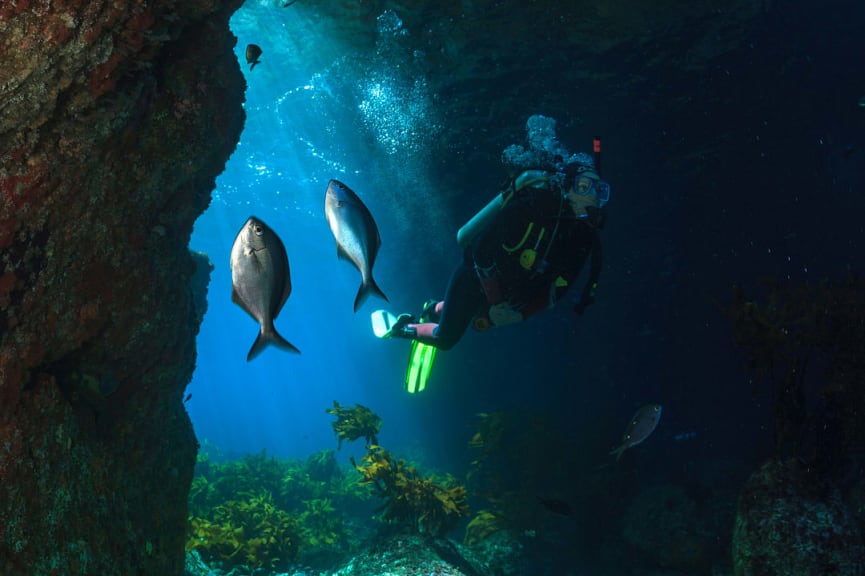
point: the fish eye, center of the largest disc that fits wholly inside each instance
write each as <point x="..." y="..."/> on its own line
<point x="258" y="230"/>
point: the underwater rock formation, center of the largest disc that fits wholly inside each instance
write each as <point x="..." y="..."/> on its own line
<point x="555" y="56"/>
<point x="795" y="327"/>
<point x="115" y="119"/>
<point x="663" y="522"/>
<point x="800" y="512"/>
<point x="790" y="521"/>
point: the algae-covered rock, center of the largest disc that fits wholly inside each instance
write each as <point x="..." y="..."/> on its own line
<point x="115" y="119"/>
<point x="789" y="521"/>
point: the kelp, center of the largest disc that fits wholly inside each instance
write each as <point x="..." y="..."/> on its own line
<point x="423" y="504"/>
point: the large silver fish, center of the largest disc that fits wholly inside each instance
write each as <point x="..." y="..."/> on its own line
<point x="356" y="234"/>
<point x="641" y="426"/>
<point x="261" y="281"/>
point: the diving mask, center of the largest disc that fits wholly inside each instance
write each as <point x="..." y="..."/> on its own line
<point x="588" y="184"/>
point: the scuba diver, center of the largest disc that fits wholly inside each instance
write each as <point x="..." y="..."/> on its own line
<point x="522" y="254"/>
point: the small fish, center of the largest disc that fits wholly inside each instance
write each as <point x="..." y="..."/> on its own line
<point x="287" y="4"/>
<point x="684" y="436"/>
<point x="261" y="281"/>
<point x="188" y="397"/>
<point x="642" y="425"/>
<point x="556" y="506"/>
<point x="356" y="235"/>
<point x="253" y="52"/>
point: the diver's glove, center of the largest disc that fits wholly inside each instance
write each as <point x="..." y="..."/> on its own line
<point x="502" y="314"/>
<point x="401" y="328"/>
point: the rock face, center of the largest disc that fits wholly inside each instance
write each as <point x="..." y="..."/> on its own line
<point x="115" y="118"/>
<point x="663" y="522"/>
<point x="790" y="521"/>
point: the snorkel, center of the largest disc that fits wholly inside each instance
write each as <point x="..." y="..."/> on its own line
<point x="596" y="150"/>
<point x="584" y="165"/>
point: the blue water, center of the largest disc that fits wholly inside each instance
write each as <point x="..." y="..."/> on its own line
<point x="321" y="107"/>
<point x="749" y="167"/>
<point x="314" y="114"/>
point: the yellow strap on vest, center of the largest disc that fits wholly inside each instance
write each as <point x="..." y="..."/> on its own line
<point x="540" y="237"/>
<point x="522" y="241"/>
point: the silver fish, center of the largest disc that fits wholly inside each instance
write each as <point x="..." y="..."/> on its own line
<point x="642" y="425"/>
<point x="261" y="281"/>
<point x="356" y="234"/>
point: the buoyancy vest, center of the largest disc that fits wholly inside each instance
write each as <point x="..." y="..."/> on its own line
<point x="536" y="243"/>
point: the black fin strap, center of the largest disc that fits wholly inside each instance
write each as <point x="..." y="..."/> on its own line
<point x="588" y="295"/>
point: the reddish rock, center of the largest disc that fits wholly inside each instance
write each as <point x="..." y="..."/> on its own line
<point x="115" y="118"/>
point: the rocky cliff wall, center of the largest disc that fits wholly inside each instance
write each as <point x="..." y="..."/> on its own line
<point x="115" y="118"/>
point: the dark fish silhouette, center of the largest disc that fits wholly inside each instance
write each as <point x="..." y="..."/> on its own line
<point x="556" y="506"/>
<point x="356" y="234"/>
<point x="260" y="281"/>
<point x="253" y="52"/>
<point x="641" y="426"/>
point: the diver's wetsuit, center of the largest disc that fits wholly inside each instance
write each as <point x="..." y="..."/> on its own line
<point x="463" y="299"/>
<point x="528" y="257"/>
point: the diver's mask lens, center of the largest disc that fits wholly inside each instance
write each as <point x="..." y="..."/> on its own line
<point x="600" y="189"/>
<point x="584" y="186"/>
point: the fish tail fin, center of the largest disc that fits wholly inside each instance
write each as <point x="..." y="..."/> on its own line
<point x="367" y="288"/>
<point x="270" y="336"/>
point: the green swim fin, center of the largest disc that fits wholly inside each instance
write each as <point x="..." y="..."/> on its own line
<point x="420" y="365"/>
<point x="421" y="357"/>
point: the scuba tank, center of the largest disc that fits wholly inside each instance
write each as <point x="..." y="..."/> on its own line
<point x="480" y="221"/>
